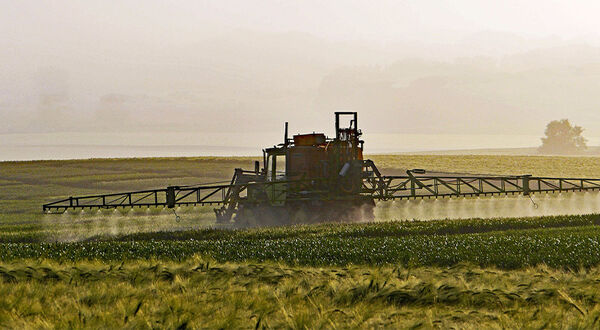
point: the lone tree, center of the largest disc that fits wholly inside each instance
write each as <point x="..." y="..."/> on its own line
<point x="562" y="138"/>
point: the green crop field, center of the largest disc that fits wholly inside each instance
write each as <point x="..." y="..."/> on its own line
<point x="143" y="269"/>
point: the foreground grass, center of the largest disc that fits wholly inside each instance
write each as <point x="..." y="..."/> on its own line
<point x="200" y="293"/>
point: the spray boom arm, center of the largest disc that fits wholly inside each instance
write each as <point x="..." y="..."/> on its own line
<point x="415" y="184"/>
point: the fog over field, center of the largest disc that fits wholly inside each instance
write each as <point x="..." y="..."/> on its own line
<point x="215" y="67"/>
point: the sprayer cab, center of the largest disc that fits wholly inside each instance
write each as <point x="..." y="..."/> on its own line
<point x="316" y="156"/>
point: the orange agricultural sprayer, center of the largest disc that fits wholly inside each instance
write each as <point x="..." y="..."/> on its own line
<point x="314" y="178"/>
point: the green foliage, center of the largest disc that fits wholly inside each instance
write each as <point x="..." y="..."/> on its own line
<point x="502" y="243"/>
<point x="378" y="229"/>
<point x="563" y="138"/>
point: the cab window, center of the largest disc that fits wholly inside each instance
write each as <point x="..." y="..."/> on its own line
<point x="276" y="167"/>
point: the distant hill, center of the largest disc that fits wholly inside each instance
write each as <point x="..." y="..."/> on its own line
<point x="517" y="94"/>
<point x="254" y="81"/>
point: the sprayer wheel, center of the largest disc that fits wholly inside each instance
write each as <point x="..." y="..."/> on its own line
<point x="245" y="218"/>
<point x="299" y="216"/>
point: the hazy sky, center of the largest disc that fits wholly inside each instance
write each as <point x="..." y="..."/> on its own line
<point x="155" y="21"/>
<point x="203" y="65"/>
